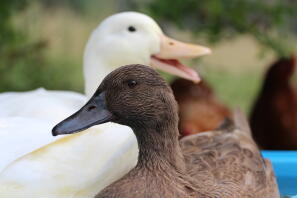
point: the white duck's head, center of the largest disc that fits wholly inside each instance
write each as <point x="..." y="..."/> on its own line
<point x="130" y="38"/>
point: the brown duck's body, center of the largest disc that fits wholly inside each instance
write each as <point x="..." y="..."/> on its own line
<point x="149" y="184"/>
<point x="274" y="115"/>
<point x="199" y="109"/>
<point x="227" y="163"/>
<point x="223" y="163"/>
<point x="160" y="171"/>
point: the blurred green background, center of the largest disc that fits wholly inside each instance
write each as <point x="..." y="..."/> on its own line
<point x="42" y="42"/>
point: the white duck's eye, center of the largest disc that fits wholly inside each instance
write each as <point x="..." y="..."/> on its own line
<point x="131" y="83"/>
<point x="131" y="29"/>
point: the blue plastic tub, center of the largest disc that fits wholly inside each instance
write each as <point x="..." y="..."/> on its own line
<point x="285" y="167"/>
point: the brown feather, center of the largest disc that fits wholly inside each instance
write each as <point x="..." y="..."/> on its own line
<point x="229" y="163"/>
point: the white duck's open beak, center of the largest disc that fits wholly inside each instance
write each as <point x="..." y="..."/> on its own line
<point x="170" y="51"/>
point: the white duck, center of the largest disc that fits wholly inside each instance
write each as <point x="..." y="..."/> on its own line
<point x="68" y="167"/>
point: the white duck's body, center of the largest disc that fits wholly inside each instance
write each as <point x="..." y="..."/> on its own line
<point x="40" y="103"/>
<point x="74" y="166"/>
<point x="18" y="144"/>
<point x="82" y="164"/>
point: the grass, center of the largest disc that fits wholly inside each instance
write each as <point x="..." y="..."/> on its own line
<point x="235" y="90"/>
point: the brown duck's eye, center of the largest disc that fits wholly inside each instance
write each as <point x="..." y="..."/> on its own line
<point x="131" y="83"/>
<point x="131" y="29"/>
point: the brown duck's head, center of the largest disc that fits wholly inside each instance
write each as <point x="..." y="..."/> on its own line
<point x="133" y="95"/>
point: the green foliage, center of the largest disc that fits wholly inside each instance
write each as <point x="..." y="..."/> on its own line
<point x="8" y="34"/>
<point x="23" y="61"/>
<point x="81" y="7"/>
<point x="270" y="22"/>
<point x="16" y="71"/>
<point x="16" y="52"/>
<point x="78" y="5"/>
<point x="234" y="89"/>
<point x="35" y="71"/>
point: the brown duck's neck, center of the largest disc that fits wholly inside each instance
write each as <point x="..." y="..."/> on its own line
<point x="159" y="148"/>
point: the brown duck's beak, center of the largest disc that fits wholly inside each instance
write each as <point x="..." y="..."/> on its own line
<point x="170" y="51"/>
<point x="93" y="113"/>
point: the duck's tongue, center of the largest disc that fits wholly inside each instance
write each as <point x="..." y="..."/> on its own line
<point x="175" y="67"/>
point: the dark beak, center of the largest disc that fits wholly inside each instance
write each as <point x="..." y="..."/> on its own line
<point x="93" y="113"/>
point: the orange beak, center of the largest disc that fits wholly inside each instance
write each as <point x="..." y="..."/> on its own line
<point x="170" y="51"/>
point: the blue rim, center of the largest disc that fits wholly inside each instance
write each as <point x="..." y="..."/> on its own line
<point x="285" y="168"/>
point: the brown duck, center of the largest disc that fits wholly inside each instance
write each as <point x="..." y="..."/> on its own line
<point x="221" y="163"/>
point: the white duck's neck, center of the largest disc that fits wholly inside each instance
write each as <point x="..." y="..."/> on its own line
<point x="99" y="61"/>
<point x="98" y="65"/>
<point x="95" y="69"/>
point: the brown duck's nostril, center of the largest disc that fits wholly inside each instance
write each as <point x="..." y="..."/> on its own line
<point x="92" y="107"/>
<point x="171" y="43"/>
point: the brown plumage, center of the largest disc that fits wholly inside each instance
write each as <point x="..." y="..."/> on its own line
<point x="274" y="115"/>
<point x="228" y="163"/>
<point x="199" y="109"/>
<point x="223" y="163"/>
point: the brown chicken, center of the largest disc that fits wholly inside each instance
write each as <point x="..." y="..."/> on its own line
<point x="199" y="109"/>
<point x="274" y="115"/>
